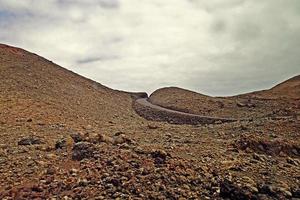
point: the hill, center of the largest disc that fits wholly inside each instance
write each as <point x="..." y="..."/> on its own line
<point x="251" y="105"/>
<point x="31" y="83"/>
<point x="289" y="89"/>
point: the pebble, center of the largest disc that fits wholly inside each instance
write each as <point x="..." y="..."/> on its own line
<point x="60" y="144"/>
<point x="30" y="141"/>
<point x="83" y="150"/>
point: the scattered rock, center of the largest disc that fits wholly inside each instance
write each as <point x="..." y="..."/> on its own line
<point x="30" y="141"/>
<point x="60" y="144"/>
<point x="234" y="192"/>
<point x="159" y="156"/>
<point x="285" y="192"/>
<point x="77" y="137"/>
<point x="296" y="193"/>
<point x="82" y="150"/>
<point x="267" y="189"/>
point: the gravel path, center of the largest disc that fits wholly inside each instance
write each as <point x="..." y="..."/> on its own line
<point x="158" y="113"/>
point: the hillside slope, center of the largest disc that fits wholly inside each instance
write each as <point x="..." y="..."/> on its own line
<point x="289" y="89"/>
<point x="31" y="83"/>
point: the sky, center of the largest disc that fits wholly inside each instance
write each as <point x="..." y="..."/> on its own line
<point x="215" y="47"/>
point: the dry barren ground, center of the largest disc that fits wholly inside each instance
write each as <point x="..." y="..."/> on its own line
<point x="66" y="137"/>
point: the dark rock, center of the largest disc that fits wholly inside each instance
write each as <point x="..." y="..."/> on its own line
<point x="36" y="188"/>
<point x="116" y="182"/>
<point x="296" y="193"/>
<point x="30" y="141"/>
<point x="77" y="137"/>
<point x="159" y="156"/>
<point x="267" y="189"/>
<point x="82" y="150"/>
<point x="60" y="144"/>
<point x="50" y="171"/>
<point x="234" y="192"/>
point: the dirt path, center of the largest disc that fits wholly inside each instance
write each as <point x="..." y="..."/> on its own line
<point x="157" y="113"/>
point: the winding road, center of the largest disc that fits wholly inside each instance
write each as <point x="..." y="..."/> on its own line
<point x="157" y="113"/>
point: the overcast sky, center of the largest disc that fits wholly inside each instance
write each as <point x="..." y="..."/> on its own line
<point x="216" y="47"/>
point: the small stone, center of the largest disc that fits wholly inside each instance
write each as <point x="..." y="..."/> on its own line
<point x="60" y="144"/>
<point x="104" y="138"/>
<point x="50" y="171"/>
<point x="292" y="161"/>
<point x="168" y="135"/>
<point x="73" y="172"/>
<point x="285" y="192"/>
<point x="77" y="137"/>
<point x="2" y="161"/>
<point x="296" y="193"/>
<point x="151" y="126"/>
<point x="259" y="157"/>
<point x="83" y="150"/>
<point x="294" y="151"/>
<point x="67" y="198"/>
<point x="88" y="127"/>
<point x="51" y="156"/>
<point x="122" y="139"/>
<point x="36" y="188"/>
<point x="159" y="156"/>
<point x="267" y="189"/>
<point x="251" y="188"/>
<point x="30" y="141"/>
<point x="83" y="182"/>
<point x="239" y="104"/>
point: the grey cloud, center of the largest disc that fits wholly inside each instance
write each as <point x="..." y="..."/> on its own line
<point x="109" y="3"/>
<point x="216" y="47"/>
<point x="219" y="26"/>
<point x="97" y="59"/>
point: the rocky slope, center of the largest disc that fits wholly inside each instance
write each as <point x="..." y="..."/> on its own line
<point x="63" y="136"/>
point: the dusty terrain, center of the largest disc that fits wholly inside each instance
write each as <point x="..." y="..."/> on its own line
<point x="66" y="137"/>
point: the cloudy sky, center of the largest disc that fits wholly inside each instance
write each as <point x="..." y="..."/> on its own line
<point x="216" y="47"/>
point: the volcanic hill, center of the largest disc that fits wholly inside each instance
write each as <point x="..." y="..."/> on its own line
<point x="255" y="104"/>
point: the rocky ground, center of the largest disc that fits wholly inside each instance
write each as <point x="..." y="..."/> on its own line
<point x="66" y="137"/>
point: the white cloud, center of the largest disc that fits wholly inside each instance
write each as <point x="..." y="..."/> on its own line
<point x="218" y="47"/>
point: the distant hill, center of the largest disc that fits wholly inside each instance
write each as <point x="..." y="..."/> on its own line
<point x="246" y="105"/>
